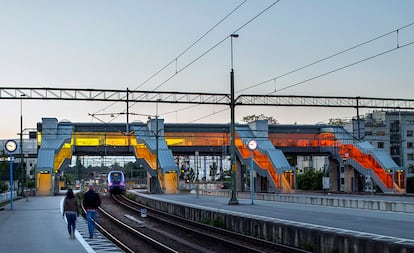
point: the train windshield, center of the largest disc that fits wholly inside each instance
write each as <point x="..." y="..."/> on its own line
<point x="116" y="176"/>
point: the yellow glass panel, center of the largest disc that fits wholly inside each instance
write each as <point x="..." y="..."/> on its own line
<point x="171" y="182"/>
<point x="117" y="142"/>
<point x="39" y="138"/>
<point x="141" y="151"/>
<point x="175" y="141"/>
<point x="44" y="186"/>
<point x="87" y="142"/>
<point x="64" y="153"/>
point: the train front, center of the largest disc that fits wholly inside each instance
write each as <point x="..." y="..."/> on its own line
<point x="116" y="182"/>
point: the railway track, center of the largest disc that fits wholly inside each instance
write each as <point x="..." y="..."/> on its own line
<point x="197" y="237"/>
<point x="126" y="237"/>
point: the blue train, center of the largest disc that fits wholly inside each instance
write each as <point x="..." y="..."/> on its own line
<point x="116" y="182"/>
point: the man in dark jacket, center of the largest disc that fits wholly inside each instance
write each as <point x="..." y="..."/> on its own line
<point x="91" y="202"/>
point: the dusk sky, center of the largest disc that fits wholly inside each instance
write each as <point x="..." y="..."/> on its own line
<point x="108" y="44"/>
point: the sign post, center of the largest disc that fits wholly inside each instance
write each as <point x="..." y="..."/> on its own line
<point x="252" y="146"/>
<point x="10" y="146"/>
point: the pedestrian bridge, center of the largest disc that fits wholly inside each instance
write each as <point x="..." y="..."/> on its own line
<point x="147" y="141"/>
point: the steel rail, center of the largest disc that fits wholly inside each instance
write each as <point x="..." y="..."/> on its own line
<point x="108" y="234"/>
<point x="147" y="238"/>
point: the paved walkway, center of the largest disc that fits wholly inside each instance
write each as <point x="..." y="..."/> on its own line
<point x="37" y="225"/>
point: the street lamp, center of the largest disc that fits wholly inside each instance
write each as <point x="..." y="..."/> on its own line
<point x="157" y="162"/>
<point x="21" y="141"/>
<point x="233" y="200"/>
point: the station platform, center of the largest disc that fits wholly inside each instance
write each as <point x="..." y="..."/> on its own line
<point x="36" y="224"/>
<point x="393" y="225"/>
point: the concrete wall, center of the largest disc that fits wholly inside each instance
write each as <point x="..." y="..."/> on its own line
<point x="309" y="237"/>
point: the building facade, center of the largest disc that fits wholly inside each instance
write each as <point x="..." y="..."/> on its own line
<point x="392" y="131"/>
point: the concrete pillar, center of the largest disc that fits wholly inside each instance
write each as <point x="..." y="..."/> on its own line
<point x="333" y="175"/>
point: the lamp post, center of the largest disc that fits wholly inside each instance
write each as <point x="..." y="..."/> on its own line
<point x="233" y="200"/>
<point x="21" y="143"/>
<point x="157" y="163"/>
<point x="127" y="120"/>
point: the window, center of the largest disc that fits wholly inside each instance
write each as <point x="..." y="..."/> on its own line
<point x="410" y="156"/>
<point x="409" y="133"/>
<point x="380" y="144"/>
<point x="380" y="133"/>
<point x="410" y="145"/>
<point x="395" y="150"/>
<point x="307" y="158"/>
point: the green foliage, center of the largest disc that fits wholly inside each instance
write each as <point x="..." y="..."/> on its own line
<point x="254" y="117"/>
<point x="3" y="186"/>
<point x="218" y="221"/>
<point x="213" y="169"/>
<point x="310" y="180"/>
<point x="70" y="178"/>
<point x="337" y="122"/>
<point x="134" y="170"/>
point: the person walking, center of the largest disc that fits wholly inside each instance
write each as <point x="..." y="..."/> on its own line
<point x="91" y="202"/>
<point x="71" y="210"/>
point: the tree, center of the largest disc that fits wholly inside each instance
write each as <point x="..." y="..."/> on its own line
<point x="310" y="180"/>
<point x="3" y="164"/>
<point x="336" y="122"/>
<point x="254" y="117"/>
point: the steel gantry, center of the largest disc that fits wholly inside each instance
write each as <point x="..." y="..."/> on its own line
<point x="135" y="96"/>
<point x="325" y="101"/>
<point x="108" y="95"/>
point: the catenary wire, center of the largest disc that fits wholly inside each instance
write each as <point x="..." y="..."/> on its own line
<point x="321" y="60"/>
<point x="208" y="115"/>
<point x="216" y="45"/>
<point x="329" y="72"/>
<point x="192" y="45"/>
<point x="325" y="58"/>
<point x="183" y="52"/>
<point x="343" y="67"/>
<point x="213" y="47"/>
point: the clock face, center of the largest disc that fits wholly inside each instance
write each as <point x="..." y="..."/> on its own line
<point x="10" y="146"/>
<point x="252" y="144"/>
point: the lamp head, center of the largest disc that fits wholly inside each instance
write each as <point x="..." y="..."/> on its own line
<point x="234" y="35"/>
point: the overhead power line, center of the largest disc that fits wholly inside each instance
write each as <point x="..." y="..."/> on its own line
<point x="213" y="47"/>
<point x="328" y="57"/>
<point x="192" y="45"/>
<point x="341" y="68"/>
<point x="182" y="53"/>
<point x="216" y="45"/>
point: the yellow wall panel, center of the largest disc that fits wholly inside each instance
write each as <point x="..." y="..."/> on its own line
<point x="44" y="186"/>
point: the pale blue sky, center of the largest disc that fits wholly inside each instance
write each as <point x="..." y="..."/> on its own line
<point x="105" y="44"/>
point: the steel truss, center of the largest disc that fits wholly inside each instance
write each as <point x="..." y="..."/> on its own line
<point x="325" y="101"/>
<point x="28" y="93"/>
